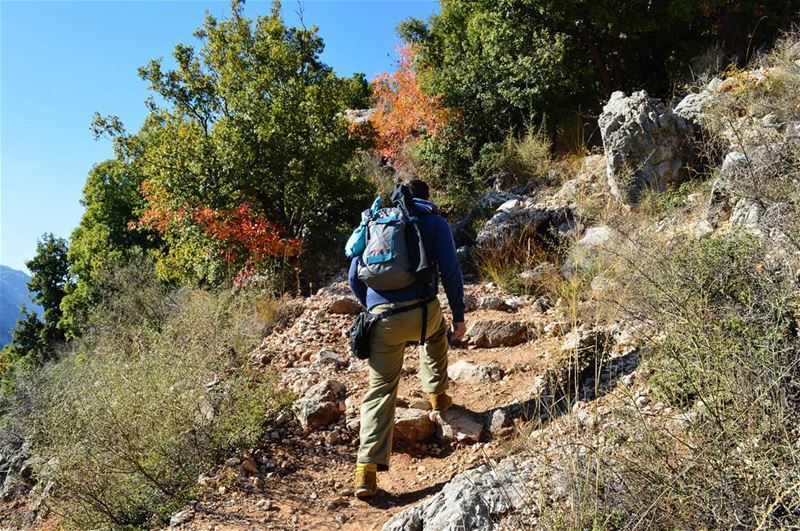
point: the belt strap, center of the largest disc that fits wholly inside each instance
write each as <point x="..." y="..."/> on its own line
<point x="422" y="304"/>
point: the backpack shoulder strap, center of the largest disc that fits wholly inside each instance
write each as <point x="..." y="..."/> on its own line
<point x="402" y="199"/>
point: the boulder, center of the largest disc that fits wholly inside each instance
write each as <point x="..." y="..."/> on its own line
<point x="322" y="404"/>
<point x="345" y="306"/>
<point x="491" y="303"/>
<point x="465" y="371"/>
<point x="413" y="425"/>
<point x="692" y="107"/>
<point x="736" y="192"/>
<point x="492" y="334"/>
<point x="494" y="198"/>
<point x="647" y="145"/>
<point x="519" y="219"/>
<point x="515" y="303"/>
<point x="473" y="500"/>
<point x="458" y="424"/>
<point x="470" y="302"/>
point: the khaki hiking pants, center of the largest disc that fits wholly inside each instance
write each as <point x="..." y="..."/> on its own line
<point x="388" y="339"/>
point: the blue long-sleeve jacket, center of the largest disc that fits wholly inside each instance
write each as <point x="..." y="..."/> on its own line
<point x="440" y="248"/>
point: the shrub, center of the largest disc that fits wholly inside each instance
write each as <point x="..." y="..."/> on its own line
<point x="516" y="161"/>
<point x="723" y="329"/>
<point x="147" y="401"/>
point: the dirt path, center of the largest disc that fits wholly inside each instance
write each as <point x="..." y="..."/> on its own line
<point x="309" y="482"/>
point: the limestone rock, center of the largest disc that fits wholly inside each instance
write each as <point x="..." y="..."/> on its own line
<point x="588" y="340"/>
<point x="491" y="303"/>
<point x="647" y="145"/>
<point x="522" y="219"/>
<point x="515" y="303"/>
<point x="345" y="306"/>
<point x="182" y="517"/>
<point x="322" y="404"/>
<point x="458" y="424"/>
<point x="300" y="379"/>
<point x="473" y="500"/>
<point x="740" y="178"/>
<point x="491" y="334"/>
<point x="470" y="302"/>
<point x="413" y="425"/>
<point x="494" y="198"/>
<point x="465" y="371"/>
<point x="692" y="107"/>
<point x="359" y="116"/>
<point x="500" y="422"/>
<point x="594" y="242"/>
<point x="329" y="358"/>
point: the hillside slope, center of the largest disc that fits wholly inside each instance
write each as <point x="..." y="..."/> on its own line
<point x="607" y="403"/>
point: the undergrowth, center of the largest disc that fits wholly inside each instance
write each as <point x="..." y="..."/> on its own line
<point x="157" y="392"/>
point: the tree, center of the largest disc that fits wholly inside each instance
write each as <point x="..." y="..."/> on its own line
<point x="112" y="200"/>
<point x="50" y="279"/>
<point x="34" y="341"/>
<point x="253" y="119"/>
<point x="507" y="65"/>
<point x="403" y="111"/>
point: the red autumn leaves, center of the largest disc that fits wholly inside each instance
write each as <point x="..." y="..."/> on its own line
<point x="242" y="236"/>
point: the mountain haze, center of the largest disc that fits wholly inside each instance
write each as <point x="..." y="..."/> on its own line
<point x="13" y="294"/>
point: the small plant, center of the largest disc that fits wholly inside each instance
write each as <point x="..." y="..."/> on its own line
<point x="503" y="263"/>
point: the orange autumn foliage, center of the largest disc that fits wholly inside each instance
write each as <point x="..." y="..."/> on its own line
<point x="242" y="237"/>
<point x="404" y="111"/>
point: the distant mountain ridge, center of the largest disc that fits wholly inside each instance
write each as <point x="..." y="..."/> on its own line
<point x="13" y="294"/>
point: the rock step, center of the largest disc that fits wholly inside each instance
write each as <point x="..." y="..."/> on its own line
<point x="473" y="499"/>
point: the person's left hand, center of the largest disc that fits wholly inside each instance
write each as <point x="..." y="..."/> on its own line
<point x="459" y="329"/>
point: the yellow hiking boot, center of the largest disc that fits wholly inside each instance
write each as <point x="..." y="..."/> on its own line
<point x="366" y="480"/>
<point x="440" y="402"/>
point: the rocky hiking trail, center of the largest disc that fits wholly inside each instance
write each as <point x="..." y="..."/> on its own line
<point x="501" y="378"/>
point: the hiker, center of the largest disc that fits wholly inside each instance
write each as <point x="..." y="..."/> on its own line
<point x="389" y="335"/>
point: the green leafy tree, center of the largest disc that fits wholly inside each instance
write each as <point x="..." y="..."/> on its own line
<point x="34" y="341"/>
<point x="251" y="121"/>
<point x="112" y="199"/>
<point x="508" y="65"/>
<point x="50" y="279"/>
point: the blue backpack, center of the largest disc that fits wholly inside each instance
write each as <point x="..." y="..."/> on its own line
<point x="383" y="241"/>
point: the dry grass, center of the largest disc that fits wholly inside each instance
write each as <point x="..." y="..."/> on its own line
<point x="158" y="391"/>
<point x="715" y="445"/>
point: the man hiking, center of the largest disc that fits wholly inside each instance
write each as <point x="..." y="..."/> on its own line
<point x="389" y="335"/>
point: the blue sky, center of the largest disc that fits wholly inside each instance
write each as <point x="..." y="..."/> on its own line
<point x="60" y="61"/>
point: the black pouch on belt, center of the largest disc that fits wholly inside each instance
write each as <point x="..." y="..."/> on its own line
<point x="359" y="332"/>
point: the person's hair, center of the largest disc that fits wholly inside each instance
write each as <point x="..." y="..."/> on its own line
<point x="419" y="188"/>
